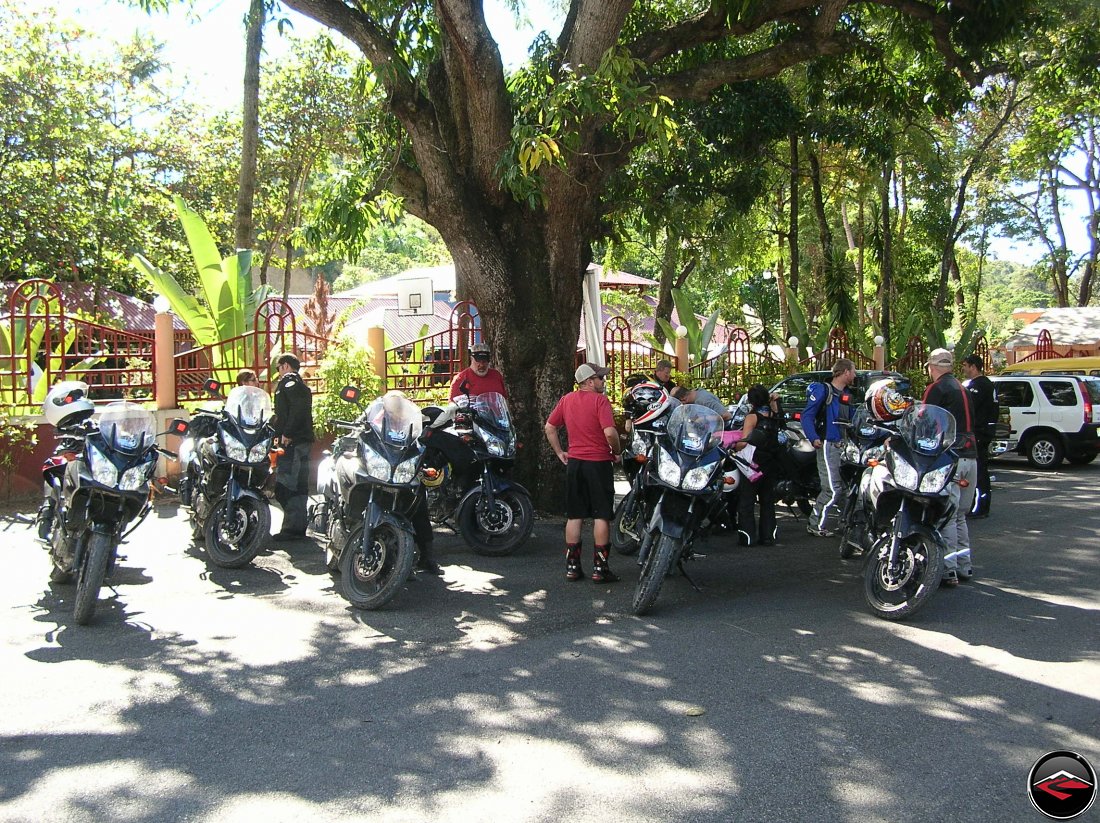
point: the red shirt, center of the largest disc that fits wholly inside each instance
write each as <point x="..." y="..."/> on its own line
<point x="585" y="414"/>
<point x="492" y="381"/>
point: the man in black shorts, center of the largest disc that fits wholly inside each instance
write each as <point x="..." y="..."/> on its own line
<point x="590" y="485"/>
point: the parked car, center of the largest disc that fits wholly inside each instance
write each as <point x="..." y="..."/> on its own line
<point x="792" y="391"/>
<point x="1057" y="365"/>
<point x="1053" y="417"/>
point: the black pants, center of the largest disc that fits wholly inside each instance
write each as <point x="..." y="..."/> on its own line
<point x="763" y="490"/>
<point x="292" y="486"/>
<point x="983" y="494"/>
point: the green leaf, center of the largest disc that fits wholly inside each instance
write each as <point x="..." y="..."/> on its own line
<point x="190" y="311"/>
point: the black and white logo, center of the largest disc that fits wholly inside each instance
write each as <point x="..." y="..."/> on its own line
<point x="1062" y="785"/>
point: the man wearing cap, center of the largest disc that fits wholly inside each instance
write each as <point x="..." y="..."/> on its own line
<point x="590" y="486"/>
<point x="947" y="393"/>
<point x="480" y="377"/>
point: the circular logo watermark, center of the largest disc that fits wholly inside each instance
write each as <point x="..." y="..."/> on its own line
<point x="1062" y="785"/>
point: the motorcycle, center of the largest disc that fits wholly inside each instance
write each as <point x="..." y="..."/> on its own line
<point x="863" y="449"/>
<point x="370" y="487"/>
<point x="904" y="501"/>
<point x="103" y="494"/>
<point x="684" y="484"/>
<point x="225" y="466"/>
<point x="469" y="449"/>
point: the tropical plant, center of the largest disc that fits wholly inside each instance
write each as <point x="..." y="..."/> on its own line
<point x="698" y="337"/>
<point x="346" y="362"/>
<point x="18" y="435"/>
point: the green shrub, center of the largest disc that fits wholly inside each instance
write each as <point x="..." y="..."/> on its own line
<point x="346" y="363"/>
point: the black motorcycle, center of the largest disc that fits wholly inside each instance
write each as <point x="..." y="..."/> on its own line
<point x="906" y="499"/>
<point x="370" y="487"/>
<point x="630" y="517"/>
<point x="104" y="493"/>
<point x="469" y="449"/>
<point x="863" y="449"/>
<point x="225" y="465"/>
<point x="684" y="487"/>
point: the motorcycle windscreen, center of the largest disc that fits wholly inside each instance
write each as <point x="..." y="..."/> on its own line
<point x="395" y="419"/>
<point x="493" y="408"/>
<point x="927" y="429"/>
<point x="127" y="427"/>
<point x="693" y="429"/>
<point x="249" y="405"/>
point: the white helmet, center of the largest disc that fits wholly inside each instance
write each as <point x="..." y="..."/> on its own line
<point x="67" y="404"/>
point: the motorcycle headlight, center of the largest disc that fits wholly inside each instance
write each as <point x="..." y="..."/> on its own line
<point x="234" y="448"/>
<point x="699" y="477"/>
<point x="934" y="481"/>
<point x="905" y="476"/>
<point x="667" y="470"/>
<point x="187" y="450"/>
<point x="377" y="466"/>
<point x="493" y="444"/>
<point x="850" y="452"/>
<point x="638" y="444"/>
<point x="406" y="470"/>
<point x="258" y="453"/>
<point x="103" y="470"/>
<point x="137" y="477"/>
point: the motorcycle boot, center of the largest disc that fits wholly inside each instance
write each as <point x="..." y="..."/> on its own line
<point x="573" y="570"/>
<point x="426" y="560"/>
<point x="601" y="571"/>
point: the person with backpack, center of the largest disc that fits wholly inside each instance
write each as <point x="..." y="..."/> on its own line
<point x="827" y="403"/>
<point x="983" y="401"/>
<point x="761" y="431"/>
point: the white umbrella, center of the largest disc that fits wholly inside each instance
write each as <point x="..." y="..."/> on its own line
<point x="592" y="311"/>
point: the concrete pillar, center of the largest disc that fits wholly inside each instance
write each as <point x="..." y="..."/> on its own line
<point x="164" y="361"/>
<point x="376" y="340"/>
<point x="682" y="354"/>
<point x="880" y="352"/>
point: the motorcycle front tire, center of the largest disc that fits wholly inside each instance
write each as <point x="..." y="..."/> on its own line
<point x="369" y="581"/>
<point x="520" y="514"/>
<point x="257" y="529"/>
<point x="658" y="564"/>
<point x="923" y="566"/>
<point x="97" y="555"/>
<point x="622" y="542"/>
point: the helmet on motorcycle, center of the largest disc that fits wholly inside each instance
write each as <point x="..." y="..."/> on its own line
<point x="67" y="404"/>
<point x="885" y="402"/>
<point x="646" y="401"/>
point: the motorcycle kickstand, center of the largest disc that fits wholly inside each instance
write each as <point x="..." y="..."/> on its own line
<point x="683" y="571"/>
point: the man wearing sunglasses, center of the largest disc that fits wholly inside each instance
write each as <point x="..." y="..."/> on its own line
<point x="480" y="377"/>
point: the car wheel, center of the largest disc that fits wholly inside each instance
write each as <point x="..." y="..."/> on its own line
<point x="1045" y="451"/>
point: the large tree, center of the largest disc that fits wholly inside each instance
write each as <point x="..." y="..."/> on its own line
<point x="513" y="171"/>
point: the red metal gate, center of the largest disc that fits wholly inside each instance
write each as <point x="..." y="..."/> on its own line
<point x="427" y="365"/>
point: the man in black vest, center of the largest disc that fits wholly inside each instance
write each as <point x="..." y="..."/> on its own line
<point x="983" y="403"/>
<point x="293" y="425"/>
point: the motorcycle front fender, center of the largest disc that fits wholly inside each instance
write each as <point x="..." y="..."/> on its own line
<point x="375" y="516"/>
<point x="670" y="521"/>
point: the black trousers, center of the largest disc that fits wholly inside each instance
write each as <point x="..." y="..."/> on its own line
<point x="762" y="491"/>
<point x="983" y="495"/>
<point x="292" y="486"/>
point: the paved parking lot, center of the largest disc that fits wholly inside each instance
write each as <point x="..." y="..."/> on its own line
<point x="503" y="693"/>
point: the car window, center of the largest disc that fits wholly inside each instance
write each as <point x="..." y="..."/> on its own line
<point x="1014" y="393"/>
<point x="1059" y="392"/>
<point x="1092" y="386"/>
<point x="792" y="392"/>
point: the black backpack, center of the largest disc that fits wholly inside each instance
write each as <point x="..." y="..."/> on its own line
<point x="845" y="408"/>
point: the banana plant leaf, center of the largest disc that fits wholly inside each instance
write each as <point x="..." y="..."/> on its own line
<point x="185" y="305"/>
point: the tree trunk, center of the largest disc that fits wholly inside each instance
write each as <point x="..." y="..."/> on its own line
<point x="250" y="127"/>
<point x="792" y="236"/>
<point x="887" y="263"/>
<point x="670" y="263"/>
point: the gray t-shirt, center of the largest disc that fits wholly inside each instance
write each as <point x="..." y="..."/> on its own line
<point x="706" y="398"/>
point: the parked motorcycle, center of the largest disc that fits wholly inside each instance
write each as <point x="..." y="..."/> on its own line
<point x="104" y="490"/>
<point x="469" y="449"/>
<point x="797" y="482"/>
<point x="224" y="468"/>
<point x="370" y="487"/>
<point x="863" y="449"/>
<point x="685" y="484"/>
<point x="905" y="500"/>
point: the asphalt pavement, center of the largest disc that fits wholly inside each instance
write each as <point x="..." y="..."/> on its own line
<point x="503" y="693"/>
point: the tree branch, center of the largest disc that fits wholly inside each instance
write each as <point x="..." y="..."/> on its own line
<point x="591" y="28"/>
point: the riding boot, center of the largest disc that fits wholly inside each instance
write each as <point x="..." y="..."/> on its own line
<point x="426" y="561"/>
<point x="601" y="571"/>
<point x="573" y="570"/>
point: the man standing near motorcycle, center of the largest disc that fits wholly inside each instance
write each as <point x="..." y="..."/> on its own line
<point x="293" y="426"/>
<point x="826" y="403"/>
<point x="662" y="375"/>
<point x="984" y="404"/>
<point x="479" y="377"/>
<point x="947" y="393"/>
<point x="590" y="485"/>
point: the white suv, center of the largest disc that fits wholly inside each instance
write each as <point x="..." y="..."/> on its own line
<point x="1053" y="417"/>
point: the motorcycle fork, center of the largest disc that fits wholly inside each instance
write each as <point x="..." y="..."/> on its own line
<point x="897" y="532"/>
<point x="488" y="492"/>
<point x="232" y="494"/>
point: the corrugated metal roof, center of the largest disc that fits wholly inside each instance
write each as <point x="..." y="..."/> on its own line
<point x="130" y="313"/>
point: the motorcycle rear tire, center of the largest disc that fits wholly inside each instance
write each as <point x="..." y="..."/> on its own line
<point x="372" y="583"/>
<point x="658" y="564"/>
<point x="90" y="577"/>
<point x="622" y="542"/>
<point x="924" y="551"/>
<point x="257" y="529"/>
<point x="490" y="544"/>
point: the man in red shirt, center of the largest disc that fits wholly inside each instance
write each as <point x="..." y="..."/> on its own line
<point x="590" y="485"/>
<point x="480" y="377"/>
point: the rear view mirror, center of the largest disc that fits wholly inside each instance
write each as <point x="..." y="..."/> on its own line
<point x="211" y="386"/>
<point x="349" y="394"/>
<point x="179" y="427"/>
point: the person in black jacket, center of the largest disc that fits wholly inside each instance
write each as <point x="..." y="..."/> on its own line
<point x="762" y="432"/>
<point x="947" y="393"/>
<point x="983" y="402"/>
<point x="293" y="425"/>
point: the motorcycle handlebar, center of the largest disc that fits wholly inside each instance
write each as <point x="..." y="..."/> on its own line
<point x="343" y="423"/>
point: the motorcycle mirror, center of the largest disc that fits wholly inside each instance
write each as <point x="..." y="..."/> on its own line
<point x="212" y="386"/>
<point x="349" y="394"/>
<point x="178" y="426"/>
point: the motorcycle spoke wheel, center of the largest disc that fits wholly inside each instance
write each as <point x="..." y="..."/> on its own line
<point x="896" y="591"/>
<point x="90" y="576"/>
<point x="655" y="568"/>
<point x="233" y="542"/>
<point x="370" y="576"/>
<point x="627" y="518"/>
<point x="498" y="529"/>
